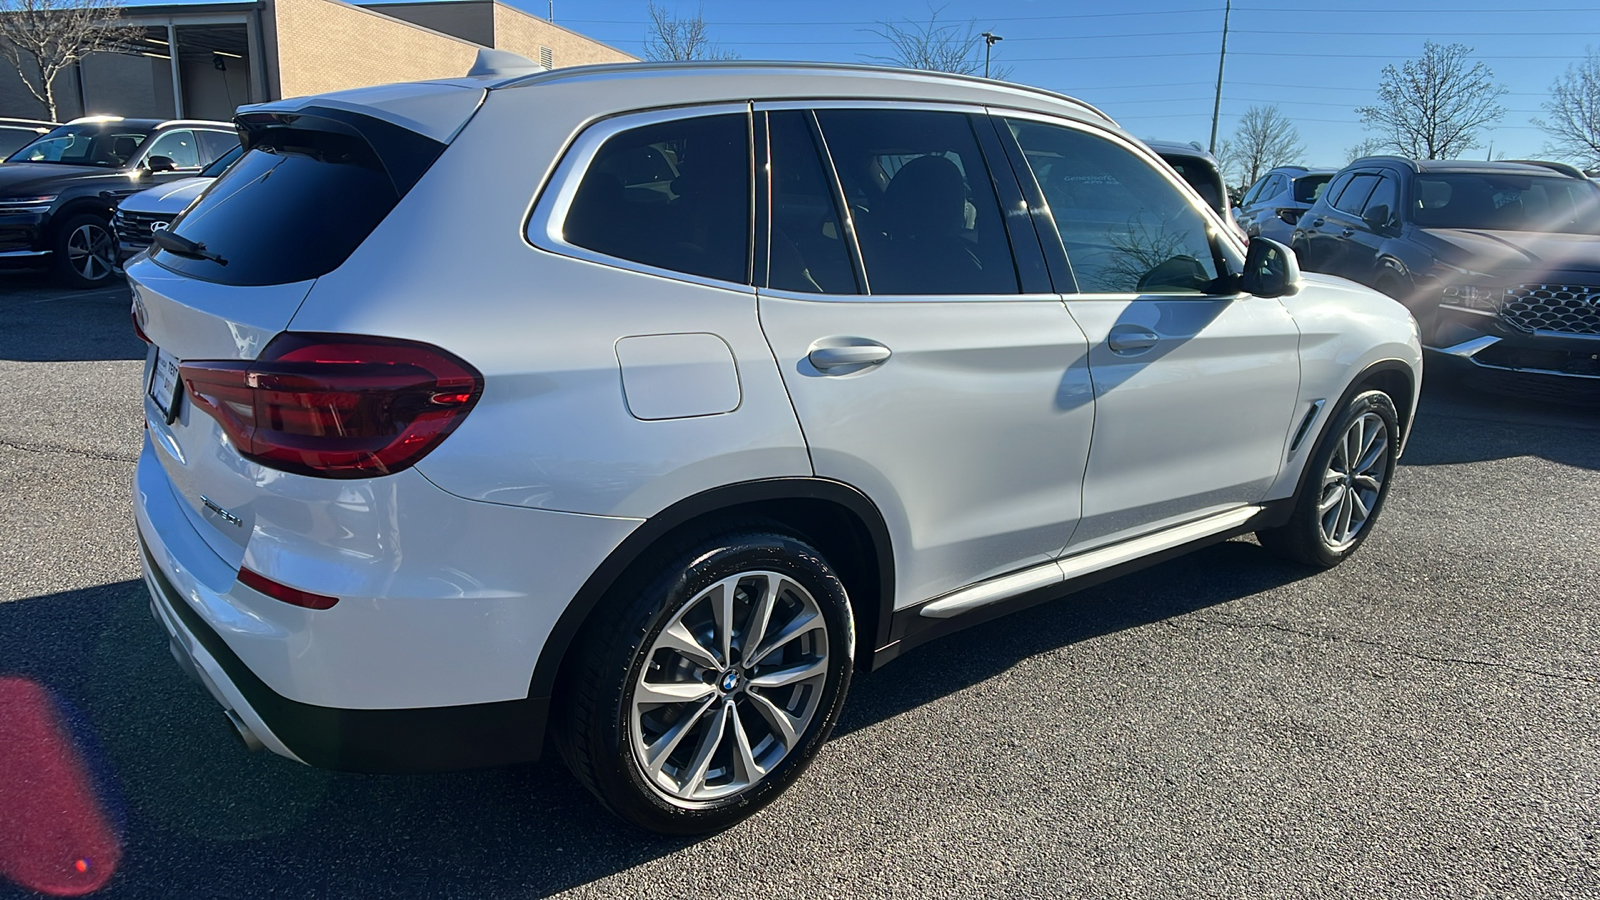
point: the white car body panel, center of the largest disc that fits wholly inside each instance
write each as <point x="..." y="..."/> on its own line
<point x="1192" y="424"/>
<point x="971" y="438"/>
<point x="435" y="109"/>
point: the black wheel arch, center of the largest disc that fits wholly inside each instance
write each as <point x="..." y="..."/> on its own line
<point x="76" y="207"/>
<point x="839" y="520"/>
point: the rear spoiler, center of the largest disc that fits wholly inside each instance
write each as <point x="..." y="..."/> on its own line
<point x="403" y="154"/>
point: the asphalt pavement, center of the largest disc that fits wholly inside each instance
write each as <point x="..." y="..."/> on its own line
<point x="1423" y="721"/>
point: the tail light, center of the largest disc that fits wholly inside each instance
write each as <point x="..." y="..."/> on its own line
<point x="1292" y="216"/>
<point x="138" y="325"/>
<point x="335" y="405"/>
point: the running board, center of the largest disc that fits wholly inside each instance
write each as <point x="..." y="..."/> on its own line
<point x="1063" y="570"/>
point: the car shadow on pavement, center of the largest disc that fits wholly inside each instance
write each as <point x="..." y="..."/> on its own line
<point x="49" y="323"/>
<point x="204" y="818"/>
<point x="1460" y="423"/>
<point x="1206" y="578"/>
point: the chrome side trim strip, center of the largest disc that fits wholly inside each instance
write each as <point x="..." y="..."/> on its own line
<point x="1059" y="571"/>
<point x="995" y="589"/>
<point x="1127" y="551"/>
<point x="20" y="254"/>
<point x="1469" y="349"/>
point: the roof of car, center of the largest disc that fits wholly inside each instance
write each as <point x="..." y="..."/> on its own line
<point x="811" y="69"/>
<point x="1466" y="166"/>
<point x="148" y="123"/>
<point x="1174" y="148"/>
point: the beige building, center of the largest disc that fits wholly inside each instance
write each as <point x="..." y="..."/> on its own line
<point x="204" y="60"/>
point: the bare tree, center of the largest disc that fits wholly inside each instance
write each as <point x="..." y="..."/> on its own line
<point x="1264" y="138"/>
<point x="1364" y="147"/>
<point x="1434" y="107"/>
<point x="1574" y="108"/>
<point x="680" y="38"/>
<point x="936" y="46"/>
<point x="42" y="38"/>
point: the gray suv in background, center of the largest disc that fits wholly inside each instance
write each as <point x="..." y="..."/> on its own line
<point x="1274" y="204"/>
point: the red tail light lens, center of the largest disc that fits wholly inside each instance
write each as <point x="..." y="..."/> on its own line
<point x="292" y="596"/>
<point x="138" y="326"/>
<point x="334" y="405"/>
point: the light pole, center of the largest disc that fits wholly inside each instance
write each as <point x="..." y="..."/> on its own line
<point x="989" y="40"/>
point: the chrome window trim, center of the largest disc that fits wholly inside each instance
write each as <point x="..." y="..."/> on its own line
<point x="544" y="229"/>
<point x="776" y="294"/>
<point x="1217" y="230"/>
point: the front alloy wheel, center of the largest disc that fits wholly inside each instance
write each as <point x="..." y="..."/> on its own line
<point x="1345" y="483"/>
<point x="707" y="680"/>
<point x="1353" y="481"/>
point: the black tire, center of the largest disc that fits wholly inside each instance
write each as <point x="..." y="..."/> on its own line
<point x="85" y="233"/>
<point x="593" y="714"/>
<point x="1304" y="538"/>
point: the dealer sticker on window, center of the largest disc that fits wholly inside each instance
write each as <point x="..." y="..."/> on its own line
<point x="164" y="384"/>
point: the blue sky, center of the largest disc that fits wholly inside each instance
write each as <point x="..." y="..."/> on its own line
<point x="1152" y="64"/>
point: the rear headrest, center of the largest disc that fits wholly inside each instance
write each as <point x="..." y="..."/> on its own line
<point x="928" y="196"/>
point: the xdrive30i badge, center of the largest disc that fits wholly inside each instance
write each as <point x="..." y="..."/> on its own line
<point x="222" y="514"/>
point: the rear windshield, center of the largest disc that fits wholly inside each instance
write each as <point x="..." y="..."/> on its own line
<point x="1200" y="176"/>
<point x="292" y="208"/>
<point x="1307" y="188"/>
<point x="1506" y="202"/>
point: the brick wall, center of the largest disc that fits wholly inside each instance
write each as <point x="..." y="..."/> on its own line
<point x="523" y="34"/>
<point x="324" y="45"/>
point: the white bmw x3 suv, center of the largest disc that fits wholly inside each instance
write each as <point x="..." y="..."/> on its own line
<point x="642" y="405"/>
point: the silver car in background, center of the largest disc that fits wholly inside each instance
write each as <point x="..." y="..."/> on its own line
<point x="1274" y="204"/>
<point x="140" y="215"/>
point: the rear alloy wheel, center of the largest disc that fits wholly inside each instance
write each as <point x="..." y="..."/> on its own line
<point x="1345" y="485"/>
<point x="714" y="689"/>
<point x="86" y="251"/>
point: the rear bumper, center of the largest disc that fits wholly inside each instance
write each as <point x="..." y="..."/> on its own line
<point x="224" y="635"/>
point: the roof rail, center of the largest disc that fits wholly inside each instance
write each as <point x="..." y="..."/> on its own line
<point x="570" y="72"/>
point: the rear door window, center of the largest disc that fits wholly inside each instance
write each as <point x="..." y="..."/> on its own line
<point x="300" y="201"/>
<point x="674" y="195"/>
<point x="808" y="251"/>
<point x="925" y="210"/>
<point x="1385" y="194"/>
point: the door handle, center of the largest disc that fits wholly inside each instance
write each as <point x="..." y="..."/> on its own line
<point x="825" y="358"/>
<point x="1347" y="232"/>
<point x="1127" y="341"/>
<point x="1317" y="223"/>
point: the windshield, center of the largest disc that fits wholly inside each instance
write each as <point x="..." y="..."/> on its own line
<point x="1506" y="202"/>
<point x="221" y="163"/>
<point x="106" y="144"/>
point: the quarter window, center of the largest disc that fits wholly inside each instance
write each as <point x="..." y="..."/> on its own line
<point x="1125" y="228"/>
<point x="924" y="209"/>
<point x="674" y="195"/>
<point x="808" y="251"/>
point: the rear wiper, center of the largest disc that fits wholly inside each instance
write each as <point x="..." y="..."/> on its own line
<point x="182" y="246"/>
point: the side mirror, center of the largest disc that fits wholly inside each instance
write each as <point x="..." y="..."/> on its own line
<point x="1377" y="217"/>
<point x="159" y="164"/>
<point x="1270" y="269"/>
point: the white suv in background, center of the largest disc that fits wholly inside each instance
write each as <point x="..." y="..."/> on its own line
<point x="650" y="402"/>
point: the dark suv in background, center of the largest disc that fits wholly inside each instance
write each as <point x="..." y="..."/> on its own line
<point x="58" y="192"/>
<point x="1498" y="261"/>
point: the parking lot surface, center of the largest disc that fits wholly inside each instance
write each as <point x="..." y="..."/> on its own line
<point x="1422" y="721"/>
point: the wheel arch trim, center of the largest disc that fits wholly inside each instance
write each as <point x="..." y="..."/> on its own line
<point x="747" y="497"/>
